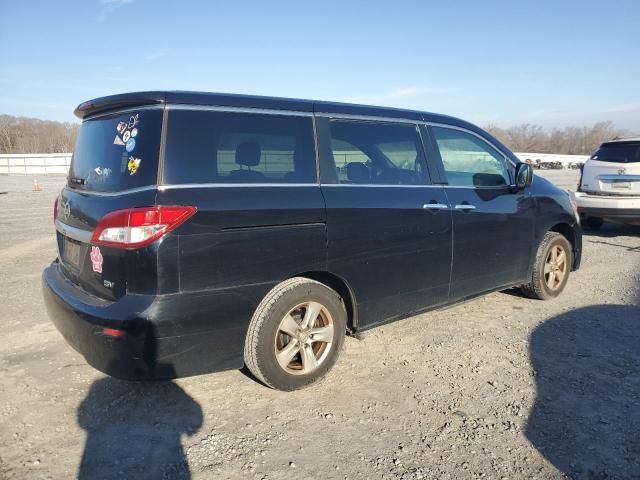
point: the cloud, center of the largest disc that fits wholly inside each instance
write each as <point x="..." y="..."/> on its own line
<point x="402" y="96"/>
<point x="411" y="92"/>
<point x="624" y="108"/>
<point x="108" y="6"/>
<point x="114" y="3"/>
<point x="31" y="104"/>
<point x="156" y="54"/>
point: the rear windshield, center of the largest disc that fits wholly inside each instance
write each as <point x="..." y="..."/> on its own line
<point x="622" y="152"/>
<point x="117" y="152"/>
<point x="231" y="147"/>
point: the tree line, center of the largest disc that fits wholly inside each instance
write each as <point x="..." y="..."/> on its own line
<point x="567" y="140"/>
<point x="30" y="135"/>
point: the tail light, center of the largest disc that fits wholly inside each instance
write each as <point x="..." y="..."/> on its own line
<point x="113" y="332"/>
<point x="55" y="210"/>
<point x="138" y="227"/>
<point x="580" y="181"/>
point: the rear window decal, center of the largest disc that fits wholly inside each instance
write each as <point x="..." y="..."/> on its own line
<point x="102" y="172"/>
<point x="133" y="165"/>
<point x="131" y="144"/>
<point x="127" y="131"/>
<point x="96" y="259"/>
<point x="133" y="120"/>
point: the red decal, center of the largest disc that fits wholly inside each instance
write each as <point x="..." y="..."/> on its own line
<point x="96" y="259"/>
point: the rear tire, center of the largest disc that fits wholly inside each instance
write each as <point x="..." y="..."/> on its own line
<point x="551" y="269"/>
<point x="594" y="223"/>
<point x="296" y="334"/>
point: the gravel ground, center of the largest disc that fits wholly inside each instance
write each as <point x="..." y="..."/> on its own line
<point x="500" y="387"/>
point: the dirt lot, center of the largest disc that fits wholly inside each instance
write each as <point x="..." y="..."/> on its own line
<point x="501" y="387"/>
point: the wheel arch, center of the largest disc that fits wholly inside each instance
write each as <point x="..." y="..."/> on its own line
<point x="568" y="232"/>
<point x="343" y="288"/>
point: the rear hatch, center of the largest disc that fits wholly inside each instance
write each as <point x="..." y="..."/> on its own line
<point x="614" y="169"/>
<point x="114" y="167"/>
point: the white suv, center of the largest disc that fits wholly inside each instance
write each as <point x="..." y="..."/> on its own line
<point x="609" y="188"/>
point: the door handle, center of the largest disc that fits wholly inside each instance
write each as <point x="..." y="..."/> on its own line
<point x="435" y="206"/>
<point x="465" y="207"/>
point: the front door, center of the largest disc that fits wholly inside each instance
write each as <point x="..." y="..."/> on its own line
<point x="492" y="224"/>
<point x="389" y="229"/>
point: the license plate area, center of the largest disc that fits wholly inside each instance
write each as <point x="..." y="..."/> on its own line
<point x="71" y="253"/>
<point x="621" y="185"/>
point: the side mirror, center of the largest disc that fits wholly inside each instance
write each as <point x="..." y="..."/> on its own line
<point x="524" y="175"/>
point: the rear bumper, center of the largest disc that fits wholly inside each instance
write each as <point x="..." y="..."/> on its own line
<point x="613" y="208"/>
<point x="164" y="336"/>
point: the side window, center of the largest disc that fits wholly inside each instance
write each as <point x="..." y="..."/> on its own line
<point x="469" y="161"/>
<point x="228" y="147"/>
<point x="377" y="153"/>
<point x="345" y="153"/>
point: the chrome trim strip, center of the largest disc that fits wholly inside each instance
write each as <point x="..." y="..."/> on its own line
<point x="466" y="130"/>
<point x="619" y="178"/>
<point x="464" y="207"/>
<point x="435" y="206"/>
<point x="162" y="188"/>
<point x="75" y="233"/>
<point x="219" y="108"/>
<point x="348" y="116"/>
<point x="378" y="185"/>
<point x="606" y="196"/>
<point x="111" y="194"/>
<point x="436" y="185"/>
<point x="471" y="187"/>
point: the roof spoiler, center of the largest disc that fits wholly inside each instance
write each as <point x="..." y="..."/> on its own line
<point x="118" y="102"/>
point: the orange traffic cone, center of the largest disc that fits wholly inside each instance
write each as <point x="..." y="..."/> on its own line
<point x="36" y="186"/>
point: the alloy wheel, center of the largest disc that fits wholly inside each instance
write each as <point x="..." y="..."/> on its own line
<point x="304" y="338"/>
<point x="555" y="267"/>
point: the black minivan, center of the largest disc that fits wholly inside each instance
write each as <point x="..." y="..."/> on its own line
<point x="200" y="232"/>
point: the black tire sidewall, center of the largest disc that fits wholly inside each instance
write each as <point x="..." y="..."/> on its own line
<point x="564" y="243"/>
<point x="265" y="349"/>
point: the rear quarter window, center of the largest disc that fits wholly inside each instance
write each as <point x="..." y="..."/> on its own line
<point x="117" y="152"/>
<point x="229" y="147"/>
<point x="621" y="152"/>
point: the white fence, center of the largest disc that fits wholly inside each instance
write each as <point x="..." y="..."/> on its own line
<point x="35" y="164"/>
<point x="58" y="163"/>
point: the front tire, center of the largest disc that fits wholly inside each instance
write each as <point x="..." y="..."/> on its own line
<point x="551" y="269"/>
<point x="296" y="334"/>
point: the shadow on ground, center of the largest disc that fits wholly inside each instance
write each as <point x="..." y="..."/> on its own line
<point x="612" y="230"/>
<point x="586" y="417"/>
<point x="609" y="233"/>
<point x="134" y="430"/>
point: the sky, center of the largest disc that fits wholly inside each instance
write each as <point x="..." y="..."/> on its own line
<point x="552" y="63"/>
